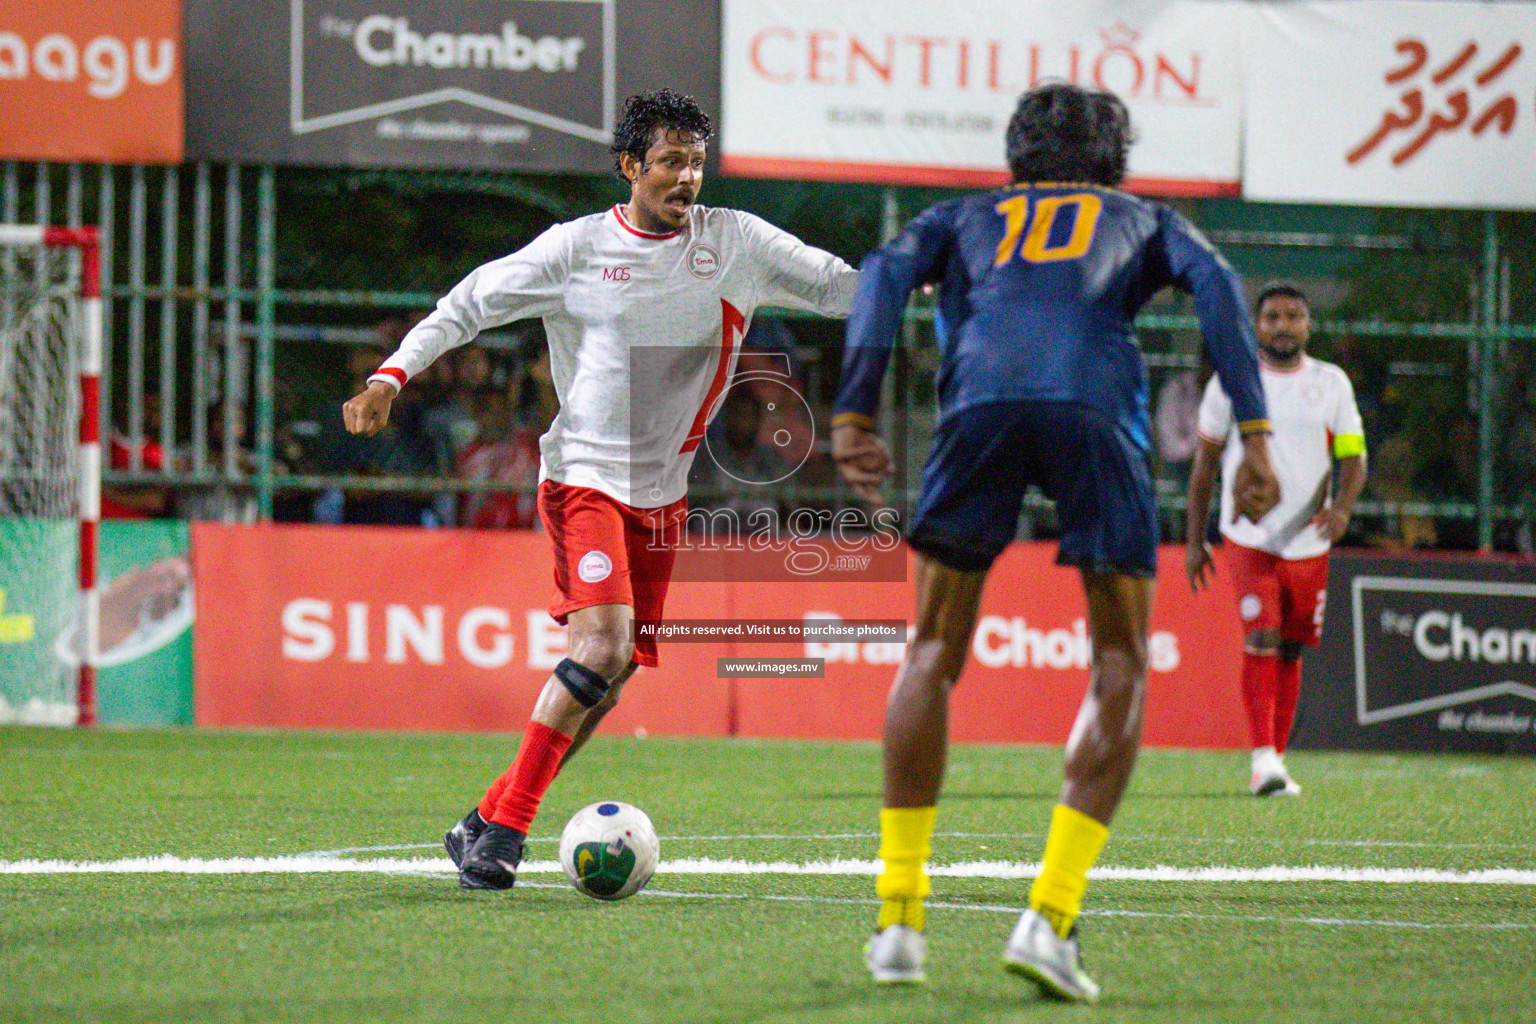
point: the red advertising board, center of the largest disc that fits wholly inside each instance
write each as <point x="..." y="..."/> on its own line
<point x="89" y="81"/>
<point x="374" y="628"/>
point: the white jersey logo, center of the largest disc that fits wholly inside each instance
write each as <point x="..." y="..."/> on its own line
<point x="594" y="567"/>
<point x="703" y="261"/>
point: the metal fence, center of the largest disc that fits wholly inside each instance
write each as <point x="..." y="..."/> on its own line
<point x="197" y="312"/>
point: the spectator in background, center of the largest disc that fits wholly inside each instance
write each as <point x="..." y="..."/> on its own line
<point x="1449" y="472"/>
<point x="734" y="460"/>
<point x="503" y="451"/>
<point x="1368" y="376"/>
<point x="1393" y="469"/>
<point x="770" y="368"/>
<point x="401" y="449"/>
<point x="1175" y="429"/>
<point x="451" y="422"/>
<point x="1519" y="458"/>
<point x="1176" y="424"/>
<point x="537" y="404"/>
<point x="137" y="501"/>
<point x="223" y="501"/>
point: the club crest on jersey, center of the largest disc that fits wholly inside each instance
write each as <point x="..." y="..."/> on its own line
<point x="594" y="567"/>
<point x="703" y="261"/>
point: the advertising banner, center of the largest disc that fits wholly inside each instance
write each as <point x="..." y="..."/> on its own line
<point x="144" y="674"/>
<point x="1424" y="654"/>
<point x="1028" y="664"/>
<point x="382" y="628"/>
<point x="509" y="84"/>
<point x="904" y="92"/>
<point x="323" y="627"/>
<point x="88" y="81"/>
<point x="147" y="612"/>
<point x="1391" y="103"/>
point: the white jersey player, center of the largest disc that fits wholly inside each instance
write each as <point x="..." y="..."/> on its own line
<point x="644" y="331"/>
<point x="1279" y="565"/>
<point x="645" y="306"/>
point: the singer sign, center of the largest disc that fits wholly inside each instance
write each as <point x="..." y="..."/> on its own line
<point x="917" y="93"/>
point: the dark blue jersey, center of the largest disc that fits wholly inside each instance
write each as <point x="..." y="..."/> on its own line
<point x="1038" y="288"/>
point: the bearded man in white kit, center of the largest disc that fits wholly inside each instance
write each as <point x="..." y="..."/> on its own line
<point x="645" y="306"/>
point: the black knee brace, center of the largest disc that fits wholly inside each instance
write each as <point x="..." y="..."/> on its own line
<point x="585" y="685"/>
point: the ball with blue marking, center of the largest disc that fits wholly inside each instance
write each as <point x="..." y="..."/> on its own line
<point x="609" y="850"/>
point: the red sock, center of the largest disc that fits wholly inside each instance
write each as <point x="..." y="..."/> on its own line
<point x="493" y="794"/>
<point x="1287" y="690"/>
<point x="514" y="798"/>
<point x="1259" y="696"/>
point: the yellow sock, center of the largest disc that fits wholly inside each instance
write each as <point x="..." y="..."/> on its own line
<point x="904" y="847"/>
<point x="1070" y="850"/>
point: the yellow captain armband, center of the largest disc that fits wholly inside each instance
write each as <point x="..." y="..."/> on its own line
<point x="1347" y="445"/>
<point x="1247" y="427"/>
<point x="858" y="419"/>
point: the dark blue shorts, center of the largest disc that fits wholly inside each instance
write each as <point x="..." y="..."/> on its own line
<point x="984" y="457"/>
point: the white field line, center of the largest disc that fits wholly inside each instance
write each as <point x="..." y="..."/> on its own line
<point x="710" y="866"/>
<point x="826" y="836"/>
<point x="986" y="908"/>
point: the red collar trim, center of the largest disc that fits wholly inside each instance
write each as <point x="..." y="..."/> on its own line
<point x="619" y="213"/>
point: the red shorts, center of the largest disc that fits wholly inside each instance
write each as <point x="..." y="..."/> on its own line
<point x="1278" y="593"/>
<point x="607" y="552"/>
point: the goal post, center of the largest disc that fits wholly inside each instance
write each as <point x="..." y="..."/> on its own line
<point x="50" y="473"/>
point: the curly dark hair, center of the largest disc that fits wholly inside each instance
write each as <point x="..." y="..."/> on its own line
<point x="648" y="111"/>
<point x="1063" y="132"/>
<point x="1285" y="288"/>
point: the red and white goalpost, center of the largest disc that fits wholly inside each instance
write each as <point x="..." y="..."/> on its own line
<point x="50" y="472"/>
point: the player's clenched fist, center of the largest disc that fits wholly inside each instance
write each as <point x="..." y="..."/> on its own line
<point x="863" y="459"/>
<point x="367" y="413"/>
<point x="1255" y="487"/>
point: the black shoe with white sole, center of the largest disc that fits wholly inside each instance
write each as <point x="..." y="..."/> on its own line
<point x="462" y="836"/>
<point x="491" y="863"/>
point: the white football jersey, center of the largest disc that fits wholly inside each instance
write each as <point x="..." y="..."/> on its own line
<point x="1308" y="407"/>
<point x="644" y="332"/>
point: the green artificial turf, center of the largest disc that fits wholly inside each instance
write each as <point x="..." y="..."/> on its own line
<point x="738" y="948"/>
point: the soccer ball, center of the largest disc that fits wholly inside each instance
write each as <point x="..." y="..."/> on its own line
<point x="609" y="850"/>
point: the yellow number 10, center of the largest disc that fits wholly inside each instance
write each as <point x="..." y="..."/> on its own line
<point x="1036" y="248"/>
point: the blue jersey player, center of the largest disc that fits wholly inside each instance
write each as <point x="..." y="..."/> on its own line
<point x="1041" y="382"/>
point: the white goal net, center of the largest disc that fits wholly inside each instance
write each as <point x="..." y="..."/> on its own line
<point x="40" y="482"/>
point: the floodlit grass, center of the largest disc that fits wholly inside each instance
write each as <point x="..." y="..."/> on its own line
<point x="737" y="948"/>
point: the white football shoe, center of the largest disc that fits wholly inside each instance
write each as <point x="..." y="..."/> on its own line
<point x="894" y="956"/>
<point x="1291" y="788"/>
<point x="1036" y="952"/>
<point x="1268" y="773"/>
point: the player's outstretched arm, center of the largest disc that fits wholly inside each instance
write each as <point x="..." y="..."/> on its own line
<point x="368" y="412"/>
<point x="529" y="283"/>
<point x="795" y="275"/>
<point x="886" y="279"/>
<point x="1198" y="268"/>
<point x="1202" y="480"/>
